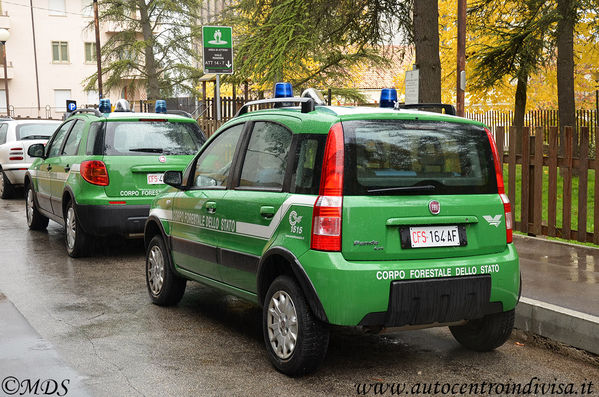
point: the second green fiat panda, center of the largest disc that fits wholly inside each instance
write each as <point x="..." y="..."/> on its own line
<point x="100" y="171"/>
<point x="348" y="216"/>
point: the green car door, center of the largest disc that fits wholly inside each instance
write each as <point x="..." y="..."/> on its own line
<point x="197" y="215"/>
<point x="63" y="163"/>
<point x="253" y="207"/>
<point x="47" y="170"/>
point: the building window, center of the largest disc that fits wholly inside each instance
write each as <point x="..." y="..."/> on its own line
<point x="87" y="8"/>
<point x="60" y="51"/>
<point x="93" y="97"/>
<point x="60" y="99"/>
<point x="57" y="7"/>
<point x="90" y="52"/>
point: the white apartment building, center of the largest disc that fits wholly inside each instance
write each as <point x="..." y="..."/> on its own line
<point x="66" y="56"/>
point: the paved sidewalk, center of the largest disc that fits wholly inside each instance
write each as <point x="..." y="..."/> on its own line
<point x="29" y="365"/>
<point x="560" y="291"/>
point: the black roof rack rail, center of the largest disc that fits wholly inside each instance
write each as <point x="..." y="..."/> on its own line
<point x="449" y="109"/>
<point x="180" y="113"/>
<point x="306" y="103"/>
<point x="85" y="110"/>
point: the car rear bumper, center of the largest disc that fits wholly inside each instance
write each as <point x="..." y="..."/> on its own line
<point x="413" y="292"/>
<point x="103" y="220"/>
<point x="16" y="173"/>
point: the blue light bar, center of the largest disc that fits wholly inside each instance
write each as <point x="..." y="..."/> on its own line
<point x="104" y="106"/>
<point x="388" y="97"/>
<point x="283" y="90"/>
<point x="160" y="106"/>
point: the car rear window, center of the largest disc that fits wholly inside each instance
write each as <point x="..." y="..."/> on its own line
<point x="399" y="157"/>
<point x="140" y="138"/>
<point x="35" y="131"/>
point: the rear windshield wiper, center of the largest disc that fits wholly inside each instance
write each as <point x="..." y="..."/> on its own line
<point x="403" y="189"/>
<point x="147" y="150"/>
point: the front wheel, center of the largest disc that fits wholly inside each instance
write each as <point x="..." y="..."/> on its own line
<point x="164" y="286"/>
<point x="7" y="190"/>
<point x="487" y="333"/>
<point x="35" y="220"/>
<point x="295" y="339"/>
<point x="77" y="240"/>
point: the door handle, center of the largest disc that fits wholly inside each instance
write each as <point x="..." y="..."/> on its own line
<point x="267" y="211"/>
<point x="211" y="207"/>
<point x="67" y="168"/>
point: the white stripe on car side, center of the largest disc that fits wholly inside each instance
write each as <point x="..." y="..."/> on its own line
<point x="253" y="229"/>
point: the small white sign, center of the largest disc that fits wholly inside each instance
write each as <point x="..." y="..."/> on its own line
<point x="412" y="86"/>
<point x="155" y="179"/>
<point x="434" y="236"/>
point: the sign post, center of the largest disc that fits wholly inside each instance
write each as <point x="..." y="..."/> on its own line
<point x="218" y="55"/>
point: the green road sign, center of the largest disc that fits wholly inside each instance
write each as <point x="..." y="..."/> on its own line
<point x="218" y="49"/>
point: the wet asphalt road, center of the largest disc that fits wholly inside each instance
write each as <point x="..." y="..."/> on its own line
<point x="97" y="314"/>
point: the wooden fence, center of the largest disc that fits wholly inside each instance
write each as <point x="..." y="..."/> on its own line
<point x="553" y="198"/>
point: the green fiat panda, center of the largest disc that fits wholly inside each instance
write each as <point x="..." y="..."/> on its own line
<point x="347" y="216"/>
<point x="100" y="171"/>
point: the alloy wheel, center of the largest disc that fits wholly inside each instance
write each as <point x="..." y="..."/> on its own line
<point x="282" y="325"/>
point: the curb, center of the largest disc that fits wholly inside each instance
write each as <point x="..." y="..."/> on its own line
<point x="568" y="326"/>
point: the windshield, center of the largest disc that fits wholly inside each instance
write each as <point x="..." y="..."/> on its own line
<point x="140" y="138"/>
<point x="35" y="131"/>
<point x="400" y="157"/>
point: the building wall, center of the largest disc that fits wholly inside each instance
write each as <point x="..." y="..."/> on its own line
<point x="70" y="27"/>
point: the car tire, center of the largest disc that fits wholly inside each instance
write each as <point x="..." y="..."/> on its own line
<point x="165" y="287"/>
<point x="487" y="333"/>
<point x="7" y="190"/>
<point x="295" y="339"/>
<point x="76" y="239"/>
<point x="35" y="220"/>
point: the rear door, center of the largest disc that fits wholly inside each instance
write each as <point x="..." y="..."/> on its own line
<point x="419" y="190"/>
<point x="198" y="211"/>
<point x="63" y="163"/>
<point x="138" y="152"/>
<point x="252" y="211"/>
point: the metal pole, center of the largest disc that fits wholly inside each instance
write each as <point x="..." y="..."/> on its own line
<point x="5" y="78"/>
<point x="98" y="53"/>
<point x="37" y="81"/>
<point x="461" y="58"/>
<point x="217" y="89"/>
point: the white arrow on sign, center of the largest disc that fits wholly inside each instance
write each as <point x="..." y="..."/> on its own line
<point x="228" y="64"/>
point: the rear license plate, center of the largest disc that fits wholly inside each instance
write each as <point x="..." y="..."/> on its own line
<point x="434" y="236"/>
<point x="155" y="179"/>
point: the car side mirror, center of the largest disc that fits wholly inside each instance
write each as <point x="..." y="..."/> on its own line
<point x="36" y="150"/>
<point x="173" y="178"/>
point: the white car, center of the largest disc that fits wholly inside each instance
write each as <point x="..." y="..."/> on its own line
<point x="15" y="138"/>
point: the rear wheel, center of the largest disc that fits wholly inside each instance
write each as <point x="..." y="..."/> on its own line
<point x="164" y="286"/>
<point x="77" y="240"/>
<point x="487" y="333"/>
<point x="35" y="220"/>
<point x="7" y="190"/>
<point x="295" y="339"/>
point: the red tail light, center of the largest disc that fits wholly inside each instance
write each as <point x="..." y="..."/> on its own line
<point x="507" y="207"/>
<point x="16" y="158"/>
<point x="326" y="219"/>
<point x="94" y="172"/>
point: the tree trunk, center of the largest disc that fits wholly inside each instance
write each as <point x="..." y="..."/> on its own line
<point x="565" y="69"/>
<point x="426" y="41"/>
<point x="520" y="101"/>
<point x="520" y="108"/>
<point x="152" y="82"/>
